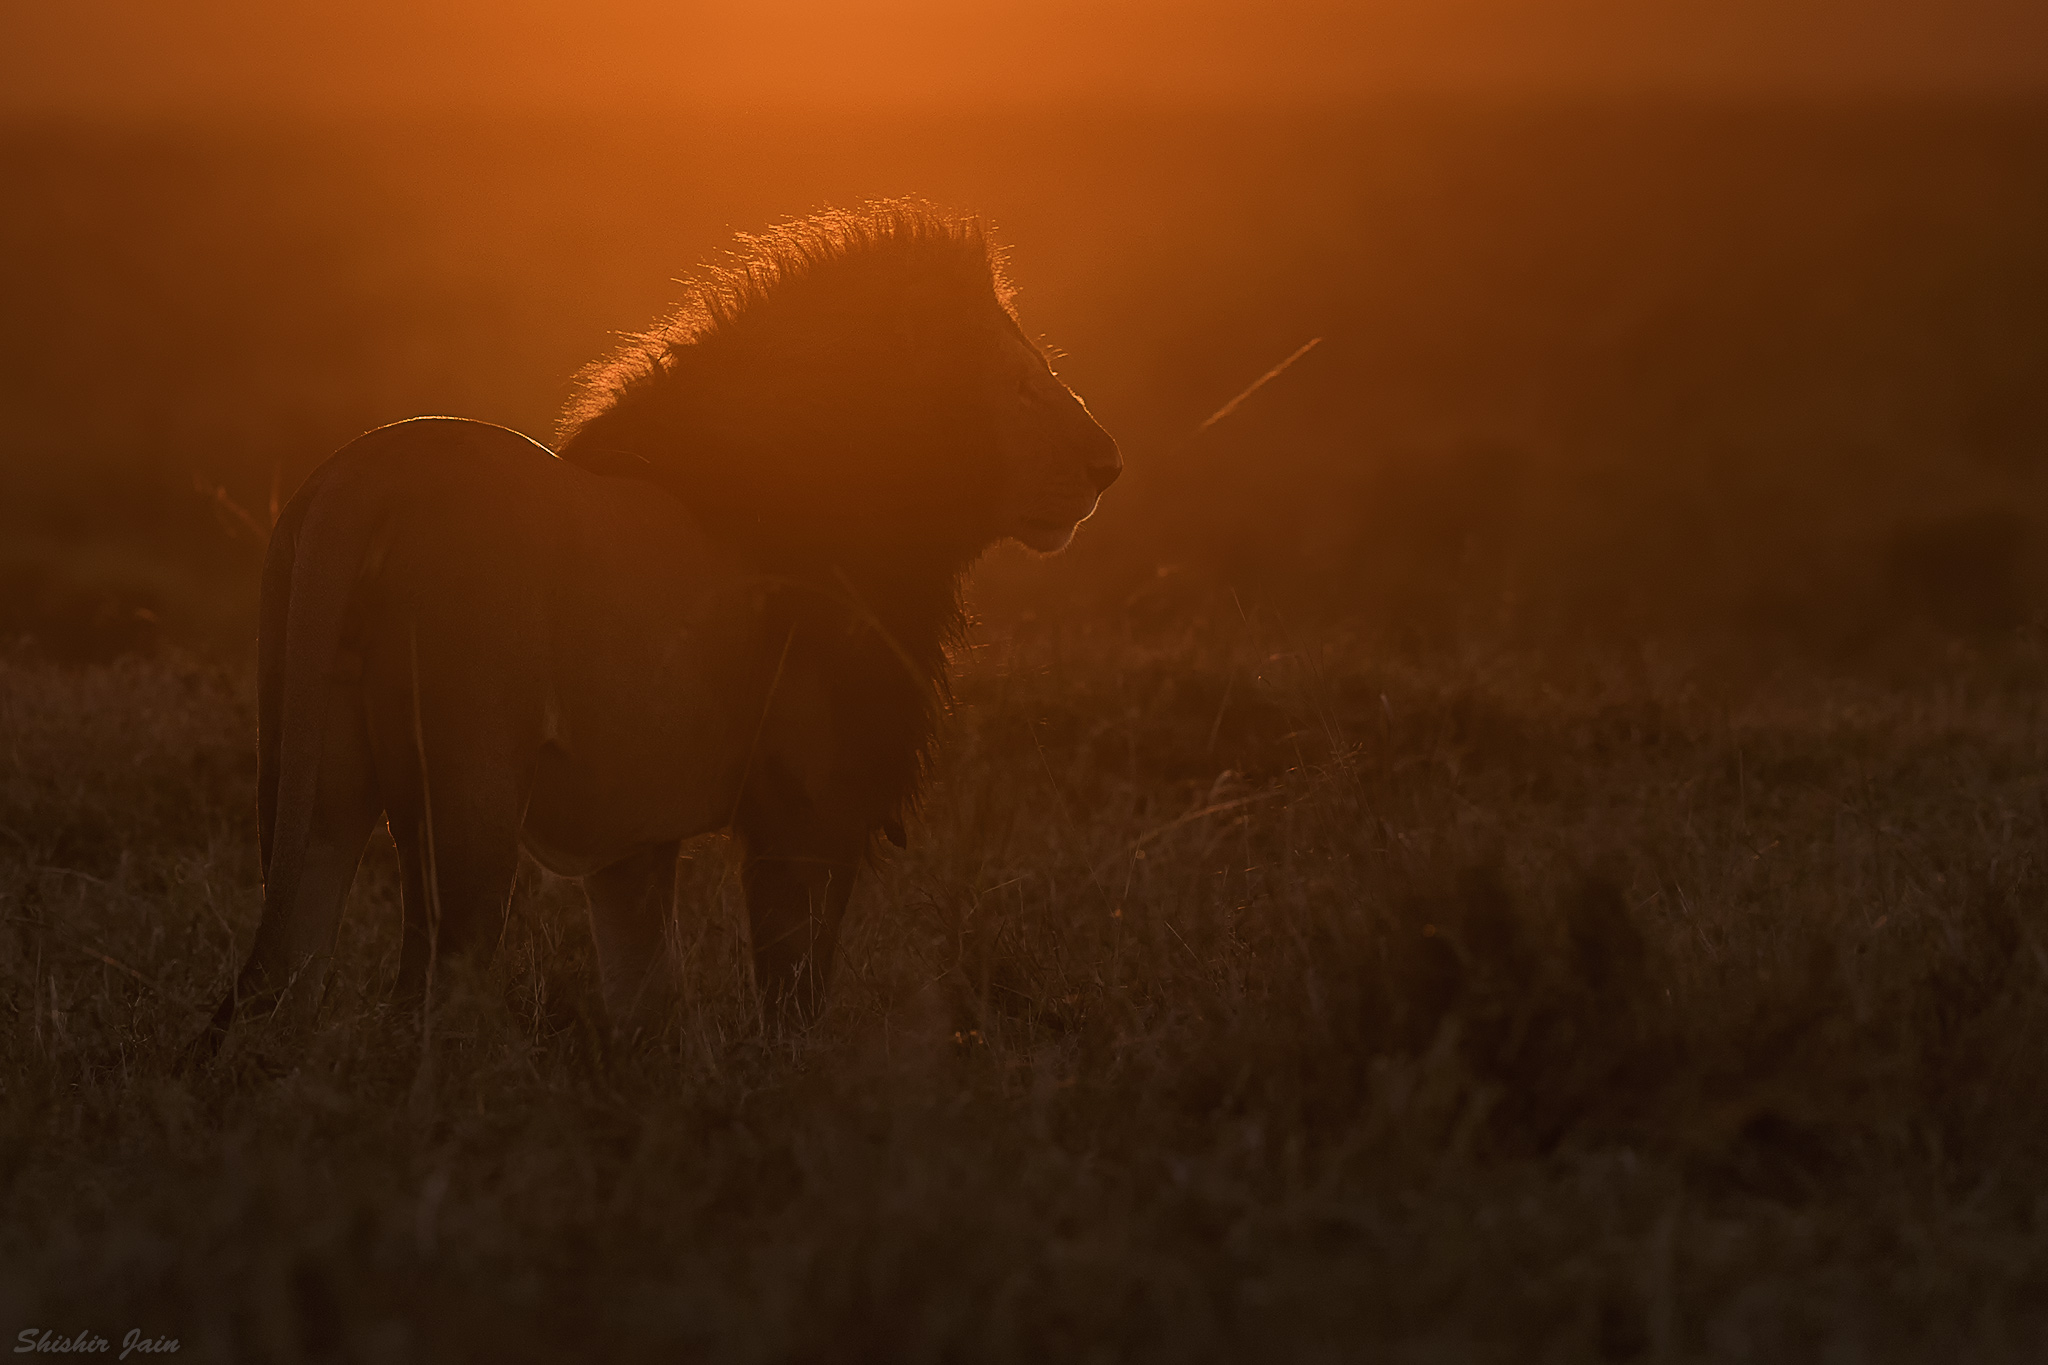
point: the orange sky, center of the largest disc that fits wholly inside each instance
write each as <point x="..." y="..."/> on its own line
<point x="337" y="55"/>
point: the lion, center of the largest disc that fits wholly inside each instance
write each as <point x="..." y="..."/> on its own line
<point x="723" y="601"/>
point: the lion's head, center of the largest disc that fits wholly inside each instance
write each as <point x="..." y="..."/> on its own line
<point x="852" y="405"/>
<point x="852" y="387"/>
<point x="1056" y="460"/>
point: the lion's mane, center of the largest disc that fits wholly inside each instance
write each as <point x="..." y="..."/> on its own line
<point x="809" y="401"/>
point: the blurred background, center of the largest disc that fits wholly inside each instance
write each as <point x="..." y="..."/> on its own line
<point x="1716" y="323"/>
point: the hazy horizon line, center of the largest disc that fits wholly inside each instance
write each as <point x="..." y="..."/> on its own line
<point x="1533" y="98"/>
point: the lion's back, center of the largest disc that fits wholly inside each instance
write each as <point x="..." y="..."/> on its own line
<point x="467" y="493"/>
<point x="478" y="546"/>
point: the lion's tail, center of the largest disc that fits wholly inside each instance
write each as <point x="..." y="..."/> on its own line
<point x="270" y="665"/>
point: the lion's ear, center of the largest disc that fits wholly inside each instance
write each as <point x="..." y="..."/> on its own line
<point x="892" y="830"/>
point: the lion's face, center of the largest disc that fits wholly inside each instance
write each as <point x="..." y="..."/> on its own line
<point x="1054" y="459"/>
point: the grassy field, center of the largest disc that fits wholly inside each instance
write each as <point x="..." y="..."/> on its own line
<point x="1525" y="842"/>
<point x="1235" y="999"/>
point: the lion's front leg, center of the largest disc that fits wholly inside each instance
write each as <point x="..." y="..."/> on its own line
<point x="631" y="905"/>
<point x="795" y="903"/>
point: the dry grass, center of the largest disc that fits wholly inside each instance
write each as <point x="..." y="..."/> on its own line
<point x="1235" y="1000"/>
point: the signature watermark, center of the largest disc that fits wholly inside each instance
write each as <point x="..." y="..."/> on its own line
<point x="41" y="1341"/>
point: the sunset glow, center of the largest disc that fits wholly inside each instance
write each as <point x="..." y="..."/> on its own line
<point x="381" y="55"/>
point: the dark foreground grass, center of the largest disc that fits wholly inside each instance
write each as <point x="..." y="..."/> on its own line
<point x="1235" y="1000"/>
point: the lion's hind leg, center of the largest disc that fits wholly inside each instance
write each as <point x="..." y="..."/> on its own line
<point x="631" y="905"/>
<point x="306" y="888"/>
<point x="455" y="820"/>
<point x="457" y="867"/>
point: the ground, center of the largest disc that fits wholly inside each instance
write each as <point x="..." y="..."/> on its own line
<point x="1237" y="997"/>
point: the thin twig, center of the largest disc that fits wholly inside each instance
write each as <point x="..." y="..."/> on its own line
<point x="1206" y="811"/>
<point x="431" y="883"/>
<point x="1259" y="383"/>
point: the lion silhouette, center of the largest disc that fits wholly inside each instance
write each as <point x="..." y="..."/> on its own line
<point x="724" y="601"/>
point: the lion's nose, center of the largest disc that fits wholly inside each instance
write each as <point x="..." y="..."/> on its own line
<point x="1106" y="465"/>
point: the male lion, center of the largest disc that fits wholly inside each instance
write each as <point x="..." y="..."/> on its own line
<point x="723" y="602"/>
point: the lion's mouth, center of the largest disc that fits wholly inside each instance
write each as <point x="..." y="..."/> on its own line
<point x="1058" y="526"/>
<point x="1044" y="534"/>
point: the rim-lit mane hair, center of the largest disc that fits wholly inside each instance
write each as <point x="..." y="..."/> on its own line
<point x="813" y="401"/>
<point x="837" y="256"/>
